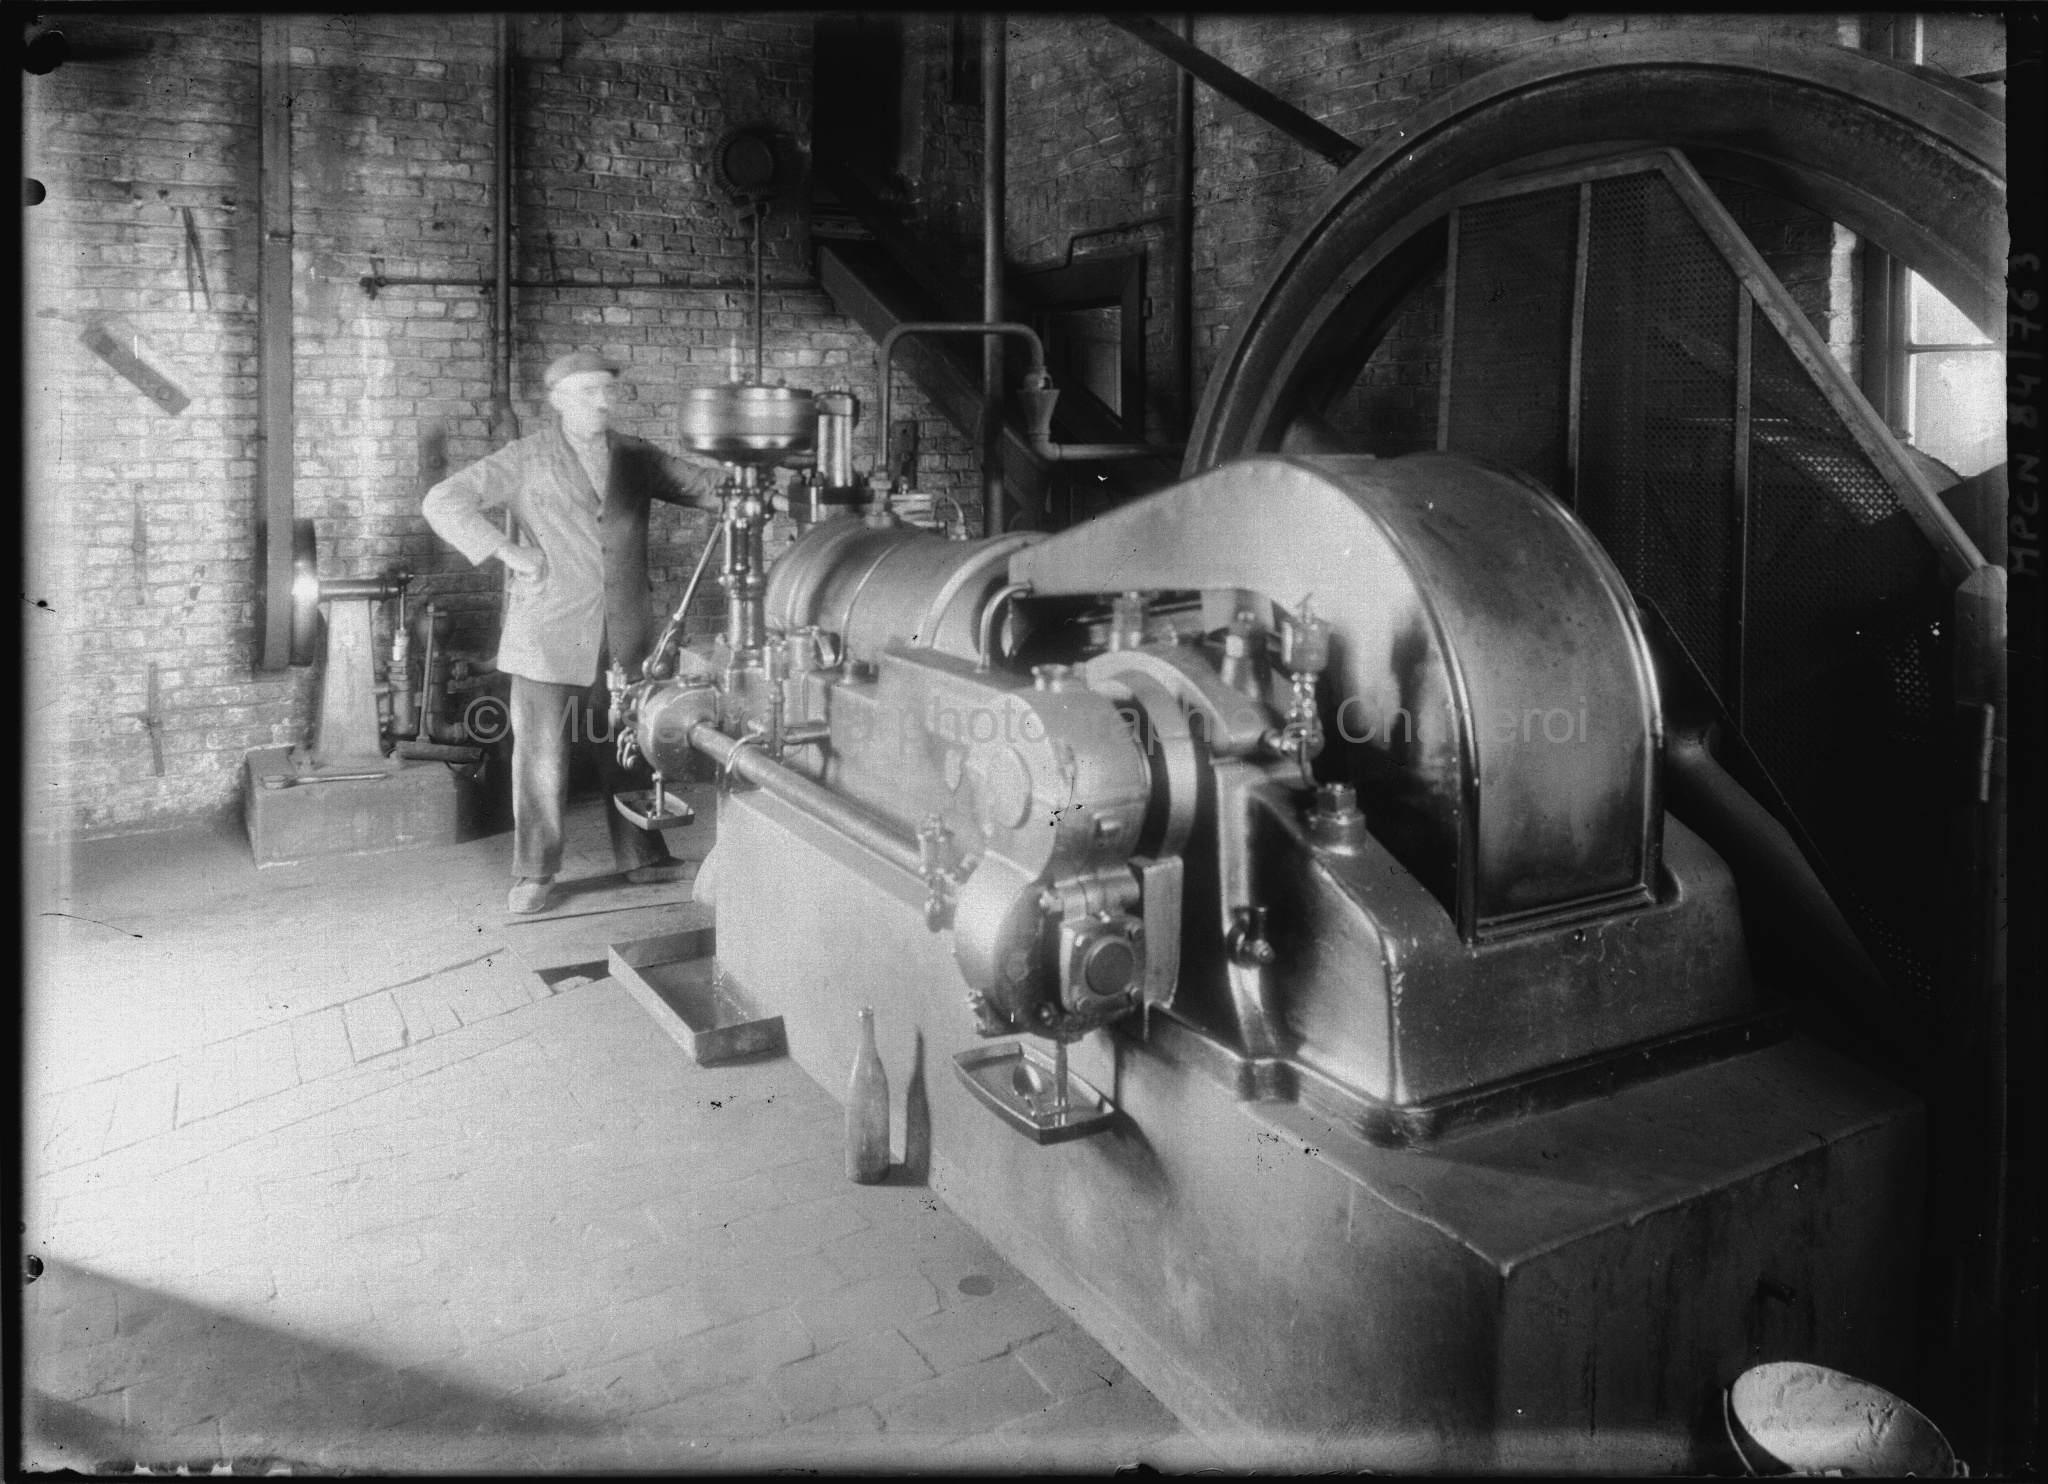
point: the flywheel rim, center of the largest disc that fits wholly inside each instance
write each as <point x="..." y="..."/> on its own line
<point x="1914" y="165"/>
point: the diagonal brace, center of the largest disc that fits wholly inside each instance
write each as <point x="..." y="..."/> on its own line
<point x="1241" y="90"/>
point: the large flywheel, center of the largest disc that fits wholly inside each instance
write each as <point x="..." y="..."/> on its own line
<point x="1904" y="159"/>
<point x="1602" y="324"/>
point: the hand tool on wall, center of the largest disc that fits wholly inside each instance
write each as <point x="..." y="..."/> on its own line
<point x="152" y="720"/>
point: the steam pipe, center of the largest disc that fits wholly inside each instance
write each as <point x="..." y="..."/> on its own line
<point x="950" y="327"/>
<point x="1077" y="453"/>
<point x="373" y="283"/>
<point x="760" y="358"/>
<point x="503" y="411"/>
<point x="504" y="416"/>
<point x="735" y="756"/>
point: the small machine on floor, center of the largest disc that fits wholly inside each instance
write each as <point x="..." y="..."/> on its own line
<point x="387" y="765"/>
<point x="1339" y="1025"/>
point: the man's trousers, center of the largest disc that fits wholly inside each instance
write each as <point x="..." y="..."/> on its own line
<point x="548" y="722"/>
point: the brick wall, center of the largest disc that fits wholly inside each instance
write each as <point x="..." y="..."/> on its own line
<point x="943" y="163"/>
<point x="140" y="520"/>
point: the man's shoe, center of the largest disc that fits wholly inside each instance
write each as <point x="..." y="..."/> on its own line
<point x="657" y="873"/>
<point x="531" y="894"/>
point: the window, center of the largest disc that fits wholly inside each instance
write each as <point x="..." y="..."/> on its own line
<point x="1955" y="384"/>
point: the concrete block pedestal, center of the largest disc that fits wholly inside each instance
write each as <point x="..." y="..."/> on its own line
<point x="414" y="803"/>
<point x="1565" y="1292"/>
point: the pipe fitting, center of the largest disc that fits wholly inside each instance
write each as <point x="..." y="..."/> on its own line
<point x="950" y="327"/>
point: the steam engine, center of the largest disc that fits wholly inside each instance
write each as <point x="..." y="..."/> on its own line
<point x="1313" y="804"/>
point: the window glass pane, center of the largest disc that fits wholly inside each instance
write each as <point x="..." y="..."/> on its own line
<point x="1959" y="408"/>
<point x="1935" y="321"/>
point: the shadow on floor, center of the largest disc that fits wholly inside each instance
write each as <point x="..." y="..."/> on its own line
<point x="177" y="1382"/>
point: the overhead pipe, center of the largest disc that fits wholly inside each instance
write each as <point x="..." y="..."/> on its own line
<point x="1038" y="393"/>
<point x="995" y="103"/>
<point x="374" y="283"/>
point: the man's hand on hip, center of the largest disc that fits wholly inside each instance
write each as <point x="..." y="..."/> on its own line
<point x="526" y="562"/>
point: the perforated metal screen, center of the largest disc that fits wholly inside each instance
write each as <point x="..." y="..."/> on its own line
<point x="1737" y="503"/>
<point x="1657" y="411"/>
<point x="1845" y="669"/>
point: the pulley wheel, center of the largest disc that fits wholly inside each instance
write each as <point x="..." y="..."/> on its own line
<point x="288" y="602"/>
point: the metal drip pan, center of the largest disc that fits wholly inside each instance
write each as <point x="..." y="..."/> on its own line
<point x="640" y="808"/>
<point x="1018" y="1083"/>
<point x="677" y="980"/>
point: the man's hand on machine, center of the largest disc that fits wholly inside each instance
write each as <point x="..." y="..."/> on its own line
<point x="527" y="562"/>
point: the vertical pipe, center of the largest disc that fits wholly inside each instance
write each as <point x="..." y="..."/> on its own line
<point x="994" y="142"/>
<point x="1184" y="241"/>
<point x="274" y="335"/>
<point x="503" y="414"/>
<point x="504" y="425"/>
<point x="760" y="361"/>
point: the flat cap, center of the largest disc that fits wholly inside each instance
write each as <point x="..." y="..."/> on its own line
<point x="573" y="364"/>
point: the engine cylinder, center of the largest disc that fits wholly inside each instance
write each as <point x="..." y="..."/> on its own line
<point x="874" y="584"/>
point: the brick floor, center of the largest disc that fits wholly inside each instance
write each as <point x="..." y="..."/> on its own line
<point x="325" y="1176"/>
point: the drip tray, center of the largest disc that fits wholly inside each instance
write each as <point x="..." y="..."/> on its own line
<point x="637" y="807"/>
<point x="677" y="980"/>
<point x="1016" y="1081"/>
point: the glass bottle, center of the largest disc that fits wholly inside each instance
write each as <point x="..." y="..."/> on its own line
<point x="867" y="1110"/>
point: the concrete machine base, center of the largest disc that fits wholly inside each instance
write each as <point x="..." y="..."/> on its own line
<point x="407" y="804"/>
<point x="1570" y="1290"/>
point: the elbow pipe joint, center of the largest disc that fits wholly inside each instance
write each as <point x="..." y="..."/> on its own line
<point x="951" y="327"/>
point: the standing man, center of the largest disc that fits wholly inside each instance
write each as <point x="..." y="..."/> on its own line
<point x="577" y="599"/>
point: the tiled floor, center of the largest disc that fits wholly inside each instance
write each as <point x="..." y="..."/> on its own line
<point x="323" y="1175"/>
